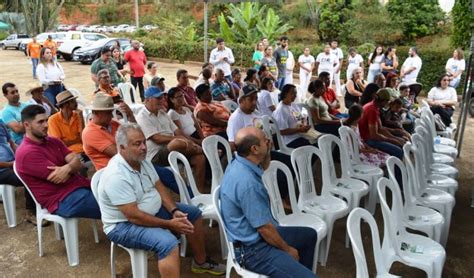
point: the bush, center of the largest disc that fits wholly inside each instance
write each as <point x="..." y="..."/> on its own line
<point x="3" y="35"/>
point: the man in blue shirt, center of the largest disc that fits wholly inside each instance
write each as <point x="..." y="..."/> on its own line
<point x="260" y="244"/>
<point x="11" y="114"/>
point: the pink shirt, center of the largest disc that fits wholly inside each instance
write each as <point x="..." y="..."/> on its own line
<point x="32" y="160"/>
<point x="137" y="61"/>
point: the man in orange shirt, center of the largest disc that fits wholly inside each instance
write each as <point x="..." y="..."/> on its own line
<point x="33" y="51"/>
<point x="67" y="125"/>
<point x="52" y="45"/>
<point x="105" y="86"/>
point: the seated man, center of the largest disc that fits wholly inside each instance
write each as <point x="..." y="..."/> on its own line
<point x="183" y="86"/>
<point x="11" y="113"/>
<point x="373" y="133"/>
<point x="139" y="213"/>
<point x="163" y="136"/>
<point x="105" y="85"/>
<point x="67" y="125"/>
<point x="50" y="170"/>
<point x="221" y="88"/>
<point x="260" y="244"/>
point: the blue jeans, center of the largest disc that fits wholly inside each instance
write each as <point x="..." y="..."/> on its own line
<point x="265" y="259"/>
<point x="52" y="91"/>
<point x="386" y="147"/>
<point x="34" y="63"/>
<point x="280" y="83"/>
<point x="79" y="203"/>
<point x="159" y="240"/>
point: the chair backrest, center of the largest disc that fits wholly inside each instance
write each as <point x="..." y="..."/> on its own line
<point x="80" y="99"/>
<point x="95" y="183"/>
<point x="354" y="230"/>
<point x="430" y="121"/>
<point x="306" y="112"/>
<point x="427" y="142"/>
<point x="392" y="215"/>
<point x="271" y="183"/>
<point x="349" y="138"/>
<point x="174" y="158"/>
<point x="301" y="159"/>
<point x="393" y="163"/>
<point x="210" y="146"/>
<point x="230" y="104"/>
<point x="420" y="152"/>
<point x="270" y="127"/>
<point x="38" y="206"/>
<point x="124" y="89"/>
<point x="414" y="172"/>
<point x="326" y="143"/>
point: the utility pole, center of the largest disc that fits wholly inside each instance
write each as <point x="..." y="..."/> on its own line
<point x="205" y="29"/>
<point x="137" y="21"/>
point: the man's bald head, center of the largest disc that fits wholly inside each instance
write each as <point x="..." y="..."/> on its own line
<point x="246" y="138"/>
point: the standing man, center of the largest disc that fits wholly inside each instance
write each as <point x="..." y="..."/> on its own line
<point x="11" y="113"/>
<point x="325" y="61"/>
<point x="104" y="62"/>
<point x="306" y="63"/>
<point x="137" y="61"/>
<point x="411" y="67"/>
<point x="33" y="50"/>
<point x="260" y="244"/>
<point x="222" y="58"/>
<point x="281" y="56"/>
<point x="336" y="51"/>
<point x="52" y="45"/>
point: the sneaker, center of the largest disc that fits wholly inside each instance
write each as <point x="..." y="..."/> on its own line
<point x="209" y="266"/>
<point x="31" y="218"/>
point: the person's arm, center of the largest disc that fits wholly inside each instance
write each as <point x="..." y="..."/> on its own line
<point x="339" y="66"/>
<point x="378" y="134"/>
<point x="230" y="58"/>
<point x="6" y="164"/>
<point x="12" y="145"/>
<point x="295" y="130"/>
<point x="318" y="120"/>
<point x="395" y="61"/>
<point x="207" y="117"/>
<point x="16" y="127"/>
<point x="41" y="74"/>
<point x="124" y="108"/>
<point x="213" y="58"/>
<point x="270" y="234"/>
<point x="198" y="127"/>
<point x="352" y="90"/>
<point x="60" y="174"/>
<point x="316" y="66"/>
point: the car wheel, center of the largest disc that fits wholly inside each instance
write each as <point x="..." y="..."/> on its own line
<point x="18" y="46"/>
<point x="4" y="47"/>
<point x="67" y="57"/>
<point x="84" y="63"/>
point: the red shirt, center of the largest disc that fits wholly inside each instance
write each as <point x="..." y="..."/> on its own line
<point x="32" y="160"/>
<point x="371" y="116"/>
<point x="189" y="95"/>
<point x="137" y="61"/>
<point x="330" y="96"/>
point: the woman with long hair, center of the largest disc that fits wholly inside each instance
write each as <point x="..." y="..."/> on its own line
<point x="375" y="60"/>
<point x="119" y="61"/>
<point x="442" y="99"/>
<point x="390" y="61"/>
<point x="258" y="55"/>
<point x="354" y="88"/>
<point x="152" y="68"/>
<point x="369" y="93"/>
<point x="323" y="121"/>
<point x="50" y="75"/>
<point x="252" y="77"/>
<point x="269" y="61"/>
<point x="455" y="67"/>
<point x="265" y="102"/>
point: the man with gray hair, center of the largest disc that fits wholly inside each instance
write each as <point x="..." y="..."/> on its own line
<point x="138" y="212"/>
<point x="105" y="85"/>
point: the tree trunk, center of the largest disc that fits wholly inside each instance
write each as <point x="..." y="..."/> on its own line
<point x="40" y="15"/>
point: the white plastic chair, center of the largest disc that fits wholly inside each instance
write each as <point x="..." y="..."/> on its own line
<point x="354" y="229"/>
<point x="325" y="205"/>
<point x="125" y="89"/>
<point x="400" y="245"/>
<point x="7" y="194"/>
<point x="428" y="117"/>
<point x="201" y="201"/>
<point x="306" y="112"/>
<point x="415" y="217"/>
<point x="446" y="134"/>
<point x="438" y="148"/>
<point x="435" y="157"/>
<point x="66" y="227"/>
<point x="271" y="128"/>
<point x="230" y="105"/>
<point x="368" y="173"/>
<point x="231" y="260"/>
<point x="297" y="217"/>
<point x="211" y="151"/>
<point x="138" y="257"/>
<point x="80" y="98"/>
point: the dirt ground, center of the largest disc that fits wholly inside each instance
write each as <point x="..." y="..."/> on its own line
<point x="19" y="246"/>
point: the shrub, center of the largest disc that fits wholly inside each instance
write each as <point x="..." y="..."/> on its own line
<point x="3" y="35"/>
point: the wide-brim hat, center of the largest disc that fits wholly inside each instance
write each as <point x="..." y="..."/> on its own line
<point x="64" y="97"/>
<point x="33" y="87"/>
<point x="102" y="102"/>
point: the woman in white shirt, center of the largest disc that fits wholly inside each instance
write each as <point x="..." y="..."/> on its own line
<point x="182" y="116"/>
<point x="375" y="61"/>
<point x="265" y="103"/>
<point x="289" y="120"/>
<point x="442" y="99"/>
<point x="152" y="68"/>
<point x="306" y="63"/>
<point x="354" y="61"/>
<point x="455" y="67"/>
<point x="51" y="75"/>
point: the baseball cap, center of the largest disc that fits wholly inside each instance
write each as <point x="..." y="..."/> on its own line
<point x="383" y="94"/>
<point x="155" y="80"/>
<point x="248" y="90"/>
<point x="153" y="92"/>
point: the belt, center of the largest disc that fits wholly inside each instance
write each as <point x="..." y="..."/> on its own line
<point x="237" y="244"/>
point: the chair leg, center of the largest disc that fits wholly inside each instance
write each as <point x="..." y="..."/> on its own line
<point x="94" y="230"/>
<point x="183" y="246"/>
<point x="139" y="263"/>
<point x="39" y="227"/>
<point x="324" y="252"/>
<point x="315" y="258"/>
<point x="224" y="251"/>
<point x="71" y="239"/>
<point x="112" y="259"/>
<point x="9" y="204"/>
<point x="58" y="231"/>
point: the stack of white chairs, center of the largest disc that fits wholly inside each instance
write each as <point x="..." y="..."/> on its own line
<point x="64" y="227"/>
<point x="354" y="220"/>
<point x="357" y="169"/>
<point x="425" y="195"/>
<point x="126" y="90"/>
<point x="399" y="245"/>
<point x="437" y="144"/>
<point x="200" y="200"/>
<point x="7" y="194"/>
<point x="270" y="127"/>
<point x="448" y="133"/>
<point x="232" y="262"/>
<point x="415" y="217"/>
<point x="324" y="205"/>
<point x="297" y="217"/>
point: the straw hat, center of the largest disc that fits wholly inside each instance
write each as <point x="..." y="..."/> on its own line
<point x="64" y="97"/>
<point x="33" y="87"/>
<point x="102" y="102"/>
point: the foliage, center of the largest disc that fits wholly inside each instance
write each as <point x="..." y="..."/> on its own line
<point x="331" y="20"/>
<point x="417" y="18"/>
<point x="463" y="23"/>
<point x="40" y="15"/>
<point x="107" y="13"/>
<point x="17" y="20"/>
<point x="175" y="29"/>
<point x="3" y="35"/>
<point x="248" y="22"/>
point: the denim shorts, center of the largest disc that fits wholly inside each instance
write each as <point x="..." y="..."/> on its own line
<point x="159" y="240"/>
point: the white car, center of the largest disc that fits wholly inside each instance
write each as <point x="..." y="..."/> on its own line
<point x="131" y="29"/>
<point x="92" y="28"/>
<point x="14" y="41"/>
<point x="121" y="28"/>
<point x="149" y="27"/>
<point x="101" y="29"/>
<point x="77" y="40"/>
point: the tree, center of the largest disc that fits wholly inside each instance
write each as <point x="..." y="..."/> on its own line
<point x="331" y="20"/>
<point x="463" y="23"/>
<point x="417" y="18"/>
<point x="40" y="15"/>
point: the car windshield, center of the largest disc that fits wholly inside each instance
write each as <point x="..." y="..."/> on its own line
<point x="98" y="44"/>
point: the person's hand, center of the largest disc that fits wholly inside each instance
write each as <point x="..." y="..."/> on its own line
<point x="181" y="225"/>
<point x="124" y="108"/>
<point x="178" y="214"/>
<point x="338" y="70"/>
<point x="304" y="128"/>
<point x="59" y="174"/>
<point x="293" y="253"/>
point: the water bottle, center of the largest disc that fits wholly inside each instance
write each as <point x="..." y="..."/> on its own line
<point x="437" y="140"/>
